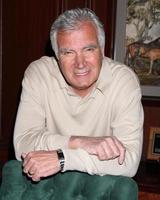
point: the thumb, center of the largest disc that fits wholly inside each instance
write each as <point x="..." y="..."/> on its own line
<point x="23" y="155"/>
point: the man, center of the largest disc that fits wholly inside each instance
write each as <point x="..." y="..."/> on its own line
<point x="82" y="112"/>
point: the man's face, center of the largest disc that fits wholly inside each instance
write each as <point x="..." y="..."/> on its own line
<point x="80" y="57"/>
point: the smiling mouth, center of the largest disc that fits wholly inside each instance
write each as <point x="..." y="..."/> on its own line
<point x="82" y="73"/>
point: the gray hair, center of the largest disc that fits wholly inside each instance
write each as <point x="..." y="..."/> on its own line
<point x="70" y="19"/>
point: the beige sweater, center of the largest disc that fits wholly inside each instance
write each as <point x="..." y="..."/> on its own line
<point x="49" y="113"/>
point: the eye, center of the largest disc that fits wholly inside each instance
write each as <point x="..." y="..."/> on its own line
<point x="66" y="53"/>
<point x="90" y="49"/>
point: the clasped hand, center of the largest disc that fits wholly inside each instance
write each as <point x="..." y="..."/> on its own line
<point x="38" y="164"/>
<point x="105" y="148"/>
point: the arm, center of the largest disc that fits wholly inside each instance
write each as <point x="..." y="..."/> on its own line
<point x="127" y="126"/>
<point x="31" y="132"/>
<point x="105" y="148"/>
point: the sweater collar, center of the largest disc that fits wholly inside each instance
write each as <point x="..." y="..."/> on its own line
<point x="105" y="76"/>
<point x="58" y="75"/>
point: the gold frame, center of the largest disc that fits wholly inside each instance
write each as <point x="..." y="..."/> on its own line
<point x="151" y="155"/>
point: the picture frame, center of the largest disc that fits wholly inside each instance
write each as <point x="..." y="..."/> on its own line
<point x="154" y="144"/>
<point x="149" y="91"/>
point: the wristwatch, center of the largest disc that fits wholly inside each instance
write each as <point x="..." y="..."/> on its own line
<point x="61" y="158"/>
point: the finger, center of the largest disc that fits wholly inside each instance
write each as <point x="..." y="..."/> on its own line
<point x="110" y="148"/>
<point x="102" y="155"/>
<point x="35" y="178"/>
<point x="91" y="149"/>
<point x="23" y="155"/>
<point x="28" y="165"/>
<point x="32" y="171"/>
<point x="122" y="151"/>
<point x="27" y="170"/>
<point x="108" y="153"/>
<point x="25" y="160"/>
<point x="28" y="158"/>
<point x="30" y="174"/>
<point x="122" y="157"/>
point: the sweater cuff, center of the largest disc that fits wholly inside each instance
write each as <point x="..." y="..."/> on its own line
<point x="77" y="159"/>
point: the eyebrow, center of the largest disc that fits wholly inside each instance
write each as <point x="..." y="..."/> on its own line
<point x="91" y="46"/>
<point x="62" y="50"/>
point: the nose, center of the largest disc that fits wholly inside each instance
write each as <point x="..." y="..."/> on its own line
<point x="80" y="60"/>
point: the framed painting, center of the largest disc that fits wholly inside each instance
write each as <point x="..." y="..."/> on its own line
<point x="137" y="41"/>
<point x="154" y="144"/>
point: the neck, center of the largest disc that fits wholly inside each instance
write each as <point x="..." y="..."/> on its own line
<point x="82" y="93"/>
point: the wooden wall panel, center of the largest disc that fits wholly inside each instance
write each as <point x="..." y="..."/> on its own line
<point x="106" y="11"/>
<point x="26" y="26"/>
<point x="148" y="196"/>
<point x="0" y="62"/>
<point x="70" y="4"/>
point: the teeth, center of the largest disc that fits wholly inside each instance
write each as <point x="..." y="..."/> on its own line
<point x="81" y="73"/>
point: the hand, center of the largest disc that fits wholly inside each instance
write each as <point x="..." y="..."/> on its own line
<point x="105" y="148"/>
<point x="38" y="164"/>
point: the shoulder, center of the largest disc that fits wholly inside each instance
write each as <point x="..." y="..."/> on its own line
<point x="120" y="72"/>
<point x="41" y="68"/>
<point x="45" y="63"/>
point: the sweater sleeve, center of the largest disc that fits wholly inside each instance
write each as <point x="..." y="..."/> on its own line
<point x="30" y="132"/>
<point x="127" y="126"/>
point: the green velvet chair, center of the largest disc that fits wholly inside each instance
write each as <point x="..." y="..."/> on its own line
<point x="65" y="186"/>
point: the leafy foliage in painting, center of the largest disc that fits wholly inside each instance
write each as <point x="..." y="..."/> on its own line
<point x="143" y="40"/>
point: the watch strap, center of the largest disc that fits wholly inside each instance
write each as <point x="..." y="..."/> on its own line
<point x="61" y="158"/>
